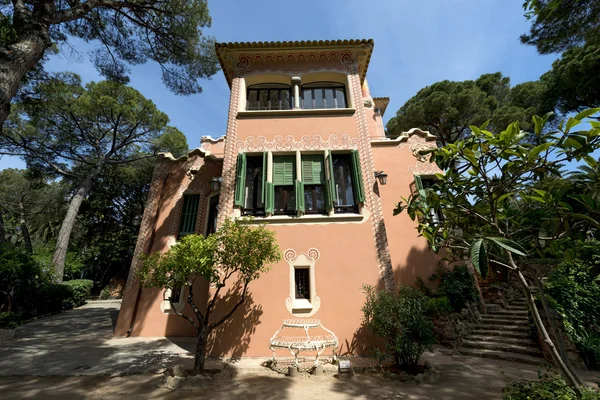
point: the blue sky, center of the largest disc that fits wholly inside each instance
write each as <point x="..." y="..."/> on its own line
<point x="417" y="43"/>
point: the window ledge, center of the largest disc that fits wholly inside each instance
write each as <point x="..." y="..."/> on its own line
<point x="301" y="305"/>
<point x="296" y="112"/>
<point x="309" y="218"/>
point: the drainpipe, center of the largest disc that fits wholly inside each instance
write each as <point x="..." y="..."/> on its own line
<point x="151" y="244"/>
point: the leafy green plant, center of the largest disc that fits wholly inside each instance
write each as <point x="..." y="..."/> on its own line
<point x="400" y="319"/>
<point x="547" y="387"/>
<point x="80" y="292"/>
<point x="19" y="274"/>
<point x="457" y="284"/>
<point x="9" y="320"/>
<point x="439" y="305"/>
<point x="235" y="251"/>
<point x="589" y="348"/>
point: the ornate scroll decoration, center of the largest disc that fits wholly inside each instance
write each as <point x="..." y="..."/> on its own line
<point x="312" y="255"/>
<point x="156" y="187"/>
<point x="230" y="156"/>
<point x="249" y="61"/>
<point x="288" y="143"/>
<point x="418" y="145"/>
<point x="372" y="201"/>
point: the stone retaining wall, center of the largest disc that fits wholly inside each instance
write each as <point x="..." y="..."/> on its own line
<point x="6" y="335"/>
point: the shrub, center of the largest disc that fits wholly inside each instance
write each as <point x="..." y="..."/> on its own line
<point x="18" y="274"/>
<point x="548" y="387"/>
<point x="589" y="347"/>
<point x="114" y="290"/>
<point x="399" y="318"/>
<point x="457" y="284"/>
<point x="80" y="291"/>
<point x="9" y="320"/>
<point x="438" y="305"/>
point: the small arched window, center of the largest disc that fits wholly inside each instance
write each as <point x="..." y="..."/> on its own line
<point x="269" y="96"/>
<point x="323" y="95"/>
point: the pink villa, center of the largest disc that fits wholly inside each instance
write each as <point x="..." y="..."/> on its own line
<point x="304" y="152"/>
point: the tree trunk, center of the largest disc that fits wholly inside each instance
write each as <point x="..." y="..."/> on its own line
<point x="16" y="60"/>
<point x="2" y="230"/>
<point x="64" y="235"/>
<point x="572" y="379"/>
<point x="24" y="229"/>
<point x="200" y="352"/>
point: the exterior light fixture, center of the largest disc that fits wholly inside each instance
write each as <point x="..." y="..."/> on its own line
<point x="381" y="177"/>
<point x="215" y="183"/>
<point x="137" y="220"/>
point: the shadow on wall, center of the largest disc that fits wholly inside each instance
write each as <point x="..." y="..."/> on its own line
<point x="232" y="337"/>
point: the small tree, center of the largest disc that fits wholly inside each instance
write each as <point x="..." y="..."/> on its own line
<point x="235" y="252"/>
<point x="399" y="318"/>
<point x="493" y="175"/>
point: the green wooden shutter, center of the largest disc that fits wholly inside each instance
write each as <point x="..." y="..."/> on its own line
<point x="270" y="197"/>
<point x="359" y="190"/>
<point x="328" y="195"/>
<point x="420" y="188"/>
<point x="263" y="193"/>
<point x="313" y="172"/>
<point x="189" y="214"/>
<point x="283" y="170"/>
<point x="240" y="181"/>
<point x="299" y="196"/>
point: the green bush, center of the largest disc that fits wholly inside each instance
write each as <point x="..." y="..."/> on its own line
<point x="400" y="319"/>
<point x="9" y="320"/>
<point x="457" y="284"/>
<point x="589" y="347"/>
<point x="548" y="387"/>
<point x="80" y="291"/>
<point x="438" y="305"/>
<point x="18" y="274"/>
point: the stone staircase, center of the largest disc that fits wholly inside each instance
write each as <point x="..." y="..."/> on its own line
<point x="503" y="334"/>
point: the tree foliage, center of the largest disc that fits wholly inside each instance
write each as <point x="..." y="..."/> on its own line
<point x="447" y="108"/>
<point x="67" y="130"/>
<point x="127" y="33"/>
<point x="559" y="25"/>
<point x="573" y="83"/>
<point x="236" y="254"/>
<point x="493" y="207"/>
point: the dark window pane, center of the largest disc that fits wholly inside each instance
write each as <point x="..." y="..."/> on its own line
<point x="314" y="199"/>
<point x="211" y="224"/>
<point x="286" y="102"/>
<point x="342" y="178"/>
<point x="340" y="98"/>
<point x="252" y="103"/>
<point x="329" y="94"/>
<point x="323" y="95"/>
<point x="285" y="200"/>
<point x="253" y="191"/>
<point x="263" y="100"/>
<point x="318" y="98"/>
<point x="302" y="283"/>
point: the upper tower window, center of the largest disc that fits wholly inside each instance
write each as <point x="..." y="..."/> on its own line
<point x="323" y="95"/>
<point x="269" y="96"/>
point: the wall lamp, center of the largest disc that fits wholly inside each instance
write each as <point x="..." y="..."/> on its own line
<point x="381" y="177"/>
<point x="215" y="183"/>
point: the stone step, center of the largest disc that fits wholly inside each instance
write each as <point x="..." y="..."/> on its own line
<point x="500" y="355"/>
<point x="529" y="349"/>
<point x="520" y="340"/>
<point x="490" y="319"/>
<point x="507" y="313"/>
<point x="500" y="333"/>
<point x="504" y="327"/>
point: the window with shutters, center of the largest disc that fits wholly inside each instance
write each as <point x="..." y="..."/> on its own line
<point x="284" y="174"/>
<point x="313" y="179"/>
<point x="254" y="202"/>
<point x="346" y="180"/>
<point x="325" y="183"/>
<point x="189" y="214"/>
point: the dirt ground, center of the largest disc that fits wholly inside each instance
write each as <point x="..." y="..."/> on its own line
<point x="459" y="378"/>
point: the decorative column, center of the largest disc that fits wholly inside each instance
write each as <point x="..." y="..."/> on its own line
<point x="296" y="84"/>
<point x="230" y="155"/>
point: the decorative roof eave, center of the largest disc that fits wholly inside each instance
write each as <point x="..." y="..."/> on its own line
<point x="209" y="139"/>
<point x="206" y="154"/>
<point x="223" y="49"/>
<point x="404" y="136"/>
<point x="381" y="103"/>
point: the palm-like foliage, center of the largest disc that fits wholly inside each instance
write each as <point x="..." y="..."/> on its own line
<point x="587" y="178"/>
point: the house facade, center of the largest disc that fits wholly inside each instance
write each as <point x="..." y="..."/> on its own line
<point x="304" y="152"/>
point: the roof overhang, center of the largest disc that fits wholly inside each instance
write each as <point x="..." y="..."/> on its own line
<point x="381" y="103"/>
<point x="239" y="58"/>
